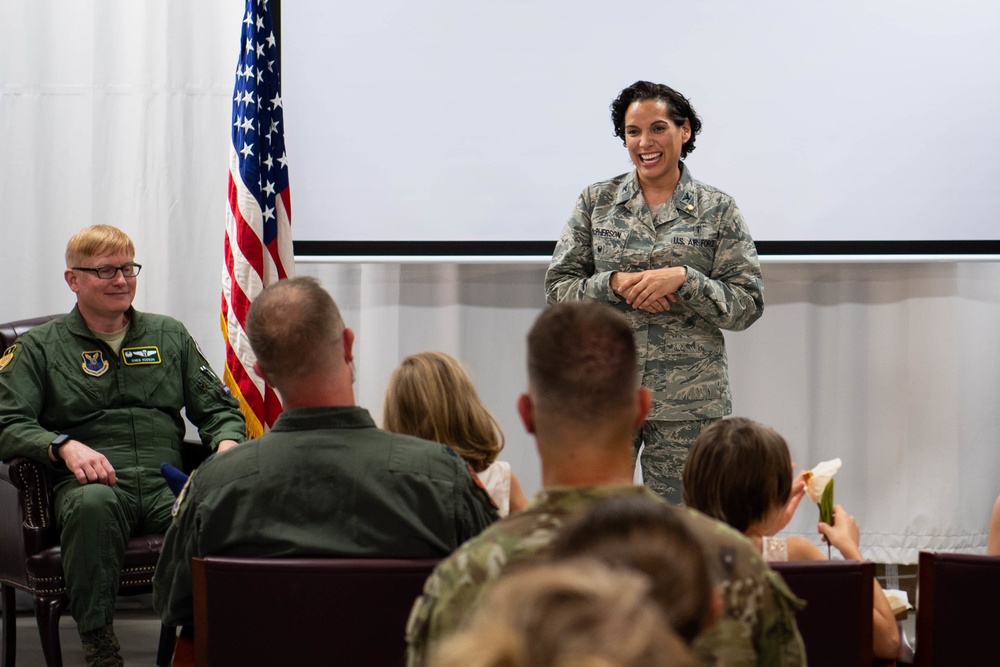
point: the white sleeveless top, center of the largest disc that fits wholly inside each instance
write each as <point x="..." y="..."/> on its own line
<point x="774" y="548"/>
<point x="496" y="479"/>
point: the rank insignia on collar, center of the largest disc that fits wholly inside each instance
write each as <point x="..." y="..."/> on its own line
<point x="94" y="363"/>
<point x="140" y="356"/>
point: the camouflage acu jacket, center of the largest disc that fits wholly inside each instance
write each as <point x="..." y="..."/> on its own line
<point x="682" y="354"/>
<point x="758" y="624"/>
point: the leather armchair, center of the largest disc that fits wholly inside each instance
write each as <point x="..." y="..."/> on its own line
<point x="30" y="558"/>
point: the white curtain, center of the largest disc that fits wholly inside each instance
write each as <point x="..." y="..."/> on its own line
<point x="118" y="111"/>
<point x="893" y="368"/>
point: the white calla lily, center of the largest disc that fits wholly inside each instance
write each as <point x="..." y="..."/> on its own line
<point x="819" y="477"/>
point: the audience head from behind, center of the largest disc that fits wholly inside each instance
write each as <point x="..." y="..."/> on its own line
<point x="302" y="346"/>
<point x="739" y="472"/>
<point x="324" y="481"/>
<point x="581" y="362"/>
<point x="577" y="613"/>
<point x="641" y="534"/>
<point x="583" y="392"/>
<point x="431" y="396"/>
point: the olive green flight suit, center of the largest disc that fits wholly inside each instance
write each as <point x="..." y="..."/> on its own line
<point x="60" y="378"/>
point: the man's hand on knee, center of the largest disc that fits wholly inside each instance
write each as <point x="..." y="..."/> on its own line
<point x="87" y="464"/>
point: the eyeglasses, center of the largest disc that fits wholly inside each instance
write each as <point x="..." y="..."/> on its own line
<point x="109" y="272"/>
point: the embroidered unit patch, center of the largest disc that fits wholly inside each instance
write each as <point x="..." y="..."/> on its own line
<point x="94" y="363"/>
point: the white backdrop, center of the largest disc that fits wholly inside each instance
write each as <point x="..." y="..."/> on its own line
<point x="892" y="367"/>
<point x="116" y="111"/>
<point x="847" y="120"/>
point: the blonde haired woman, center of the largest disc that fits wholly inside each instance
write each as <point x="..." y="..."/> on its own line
<point x="431" y="396"/>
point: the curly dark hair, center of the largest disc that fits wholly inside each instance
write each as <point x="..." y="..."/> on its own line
<point x="678" y="108"/>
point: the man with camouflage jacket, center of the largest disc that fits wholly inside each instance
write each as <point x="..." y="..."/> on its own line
<point x="583" y="405"/>
<point x="676" y="258"/>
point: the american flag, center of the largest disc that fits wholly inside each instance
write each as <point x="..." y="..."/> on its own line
<point x="258" y="248"/>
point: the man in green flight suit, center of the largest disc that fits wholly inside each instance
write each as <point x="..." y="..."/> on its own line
<point x="324" y="481"/>
<point x="583" y="406"/>
<point x="96" y="396"/>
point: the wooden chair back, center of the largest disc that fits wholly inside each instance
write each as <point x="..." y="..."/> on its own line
<point x="304" y="611"/>
<point x="836" y="623"/>
<point x="957" y="613"/>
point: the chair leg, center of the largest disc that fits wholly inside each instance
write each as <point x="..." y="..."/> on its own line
<point x="9" y="609"/>
<point x="165" y="650"/>
<point x="47" y="613"/>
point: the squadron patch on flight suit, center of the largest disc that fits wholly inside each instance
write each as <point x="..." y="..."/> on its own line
<point x="140" y="356"/>
<point x="94" y="363"/>
<point x="8" y="356"/>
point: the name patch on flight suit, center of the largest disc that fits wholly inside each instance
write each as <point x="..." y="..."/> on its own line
<point x="94" y="363"/>
<point x="140" y="356"/>
<point x="8" y="356"/>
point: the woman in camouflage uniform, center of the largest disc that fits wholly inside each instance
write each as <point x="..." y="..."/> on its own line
<point x="675" y="256"/>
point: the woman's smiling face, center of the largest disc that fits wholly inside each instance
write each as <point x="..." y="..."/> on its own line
<point x="654" y="141"/>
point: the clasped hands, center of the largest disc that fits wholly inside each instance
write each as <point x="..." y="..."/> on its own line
<point x="653" y="290"/>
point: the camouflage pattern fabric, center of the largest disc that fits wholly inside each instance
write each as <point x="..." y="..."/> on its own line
<point x="682" y="354"/>
<point x="758" y="622"/>
<point x="666" y="449"/>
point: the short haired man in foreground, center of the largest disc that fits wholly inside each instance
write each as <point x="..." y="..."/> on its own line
<point x="583" y="406"/>
<point x="324" y="481"/>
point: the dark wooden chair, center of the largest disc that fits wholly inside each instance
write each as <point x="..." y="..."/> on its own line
<point x="836" y="624"/>
<point x="303" y="611"/>
<point x="30" y="558"/>
<point x="957" y="609"/>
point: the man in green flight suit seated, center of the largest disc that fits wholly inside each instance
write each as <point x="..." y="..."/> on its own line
<point x="96" y="396"/>
<point x="324" y="481"/>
